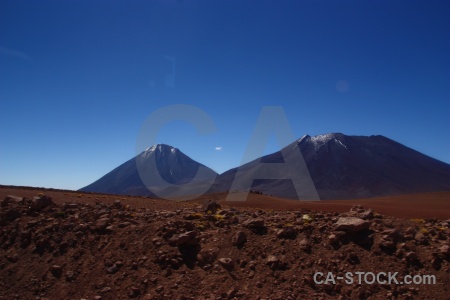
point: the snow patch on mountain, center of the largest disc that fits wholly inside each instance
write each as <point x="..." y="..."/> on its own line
<point x="322" y="139"/>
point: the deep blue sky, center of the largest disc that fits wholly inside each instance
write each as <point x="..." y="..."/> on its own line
<point x="78" y="78"/>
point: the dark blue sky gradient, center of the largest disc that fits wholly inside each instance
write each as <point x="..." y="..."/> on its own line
<point x="78" y="78"/>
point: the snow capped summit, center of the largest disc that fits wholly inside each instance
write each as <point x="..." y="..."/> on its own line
<point x="161" y="148"/>
<point x="323" y="139"/>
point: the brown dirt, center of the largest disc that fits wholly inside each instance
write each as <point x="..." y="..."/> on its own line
<point x="91" y="246"/>
<point x="425" y="205"/>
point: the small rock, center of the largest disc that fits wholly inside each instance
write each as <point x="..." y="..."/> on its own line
<point x="211" y="206"/>
<point x="307" y="218"/>
<point x="71" y="205"/>
<point x="187" y="238"/>
<point x="10" y="215"/>
<point x="392" y="234"/>
<point x="333" y="239"/>
<point x="123" y="224"/>
<point x="287" y="233"/>
<point x="239" y="239"/>
<point x="273" y="262"/>
<point x="40" y="202"/>
<point x="445" y="250"/>
<point x="232" y="292"/>
<point x="366" y="215"/>
<point x="227" y="263"/>
<point x="69" y="275"/>
<point x="102" y="223"/>
<point x="118" y="204"/>
<point x="113" y="269"/>
<point x="105" y="290"/>
<point x="134" y="292"/>
<point x="411" y="255"/>
<point x="305" y="245"/>
<point x="420" y="237"/>
<point x="351" y="224"/>
<point x="12" y="257"/>
<point x="410" y="232"/>
<point x="387" y="244"/>
<point x="253" y="223"/>
<point x="11" y="199"/>
<point x="56" y="270"/>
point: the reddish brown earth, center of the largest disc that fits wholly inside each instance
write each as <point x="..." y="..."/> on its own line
<point x="426" y="205"/>
<point x="90" y="246"/>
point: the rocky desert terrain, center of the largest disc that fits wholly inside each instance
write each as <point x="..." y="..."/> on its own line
<point x="69" y="245"/>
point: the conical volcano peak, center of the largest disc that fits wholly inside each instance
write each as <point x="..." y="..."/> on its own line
<point x="161" y="148"/>
<point x="155" y="162"/>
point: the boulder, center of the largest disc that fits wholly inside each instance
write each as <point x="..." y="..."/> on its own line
<point x="102" y="223"/>
<point x="211" y="206"/>
<point x="227" y="263"/>
<point x="11" y="199"/>
<point x="287" y="233"/>
<point x="40" y="202"/>
<point x="351" y="224"/>
<point x="187" y="238"/>
<point x="273" y="262"/>
<point x="305" y="245"/>
<point x="239" y="239"/>
<point x="445" y="250"/>
<point x="253" y="223"/>
<point x="56" y="270"/>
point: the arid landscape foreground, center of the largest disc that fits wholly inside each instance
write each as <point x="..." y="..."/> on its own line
<point x="71" y="245"/>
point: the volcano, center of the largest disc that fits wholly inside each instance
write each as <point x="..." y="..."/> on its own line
<point x="163" y="168"/>
<point x="347" y="167"/>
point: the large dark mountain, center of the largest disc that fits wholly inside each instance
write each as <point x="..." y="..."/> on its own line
<point x="345" y="167"/>
<point x="163" y="168"/>
<point x="340" y="166"/>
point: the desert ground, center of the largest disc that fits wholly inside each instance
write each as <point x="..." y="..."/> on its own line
<point x="57" y="244"/>
<point x="426" y="205"/>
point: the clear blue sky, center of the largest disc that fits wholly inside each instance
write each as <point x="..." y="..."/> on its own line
<point x="78" y="78"/>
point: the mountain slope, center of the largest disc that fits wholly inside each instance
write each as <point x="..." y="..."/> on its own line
<point x="345" y="167"/>
<point x="162" y="167"/>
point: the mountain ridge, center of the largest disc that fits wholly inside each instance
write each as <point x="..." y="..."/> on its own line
<point x="341" y="167"/>
<point x="347" y="167"/>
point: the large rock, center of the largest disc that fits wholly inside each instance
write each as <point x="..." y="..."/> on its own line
<point x="11" y="199"/>
<point x="253" y="223"/>
<point x="351" y="224"/>
<point x="227" y="263"/>
<point x="287" y="233"/>
<point x="10" y="215"/>
<point x="40" y="202"/>
<point x="187" y="238"/>
<point x="273" y="262"/>
<point x="445" y="250"/>
<point x="211" y="206"/>
<point x="239" y="239"/>
<point x="102" y="223"/>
